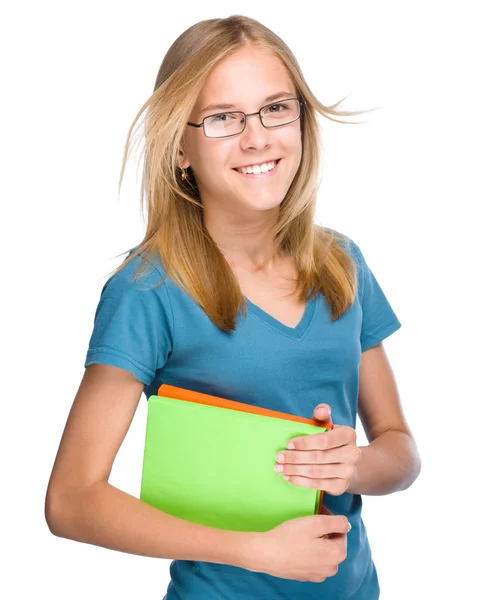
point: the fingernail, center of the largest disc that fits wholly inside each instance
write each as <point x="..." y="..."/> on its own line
<point x="350" y="526"/>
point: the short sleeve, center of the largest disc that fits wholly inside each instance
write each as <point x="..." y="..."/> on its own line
<point x="379" y="319"/>
<point x="132" y="324"/>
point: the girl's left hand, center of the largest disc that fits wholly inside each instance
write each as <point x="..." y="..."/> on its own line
<point x="324" y="461"/>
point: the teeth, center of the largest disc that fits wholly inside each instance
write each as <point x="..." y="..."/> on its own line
<point x="258" y="169"/>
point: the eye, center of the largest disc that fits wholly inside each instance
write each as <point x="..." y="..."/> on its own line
<point x="282" y="105"/>
<point x="222" y="118"/>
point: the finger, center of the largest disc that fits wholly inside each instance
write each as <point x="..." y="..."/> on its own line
<point x="333" y="528"/>
<point x="341" y="435"/>
<point x="323" y="413"/>
<point x="344" y="454"/>
<point x="334" y="486"/>
<point x="330" y="471"/>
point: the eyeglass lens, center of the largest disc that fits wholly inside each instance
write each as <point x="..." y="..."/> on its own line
<point x="231" y="123"/>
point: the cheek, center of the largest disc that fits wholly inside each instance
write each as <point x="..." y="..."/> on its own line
<point x="293" y="148"/>
<point x="205" y="163"/>
<point x="213" y="160"/>
<point x="292" y="141"/>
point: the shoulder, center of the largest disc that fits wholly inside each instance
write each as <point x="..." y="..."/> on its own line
<point x="344" y="241"/>
<point x="137" y="288"/>
<point x="142" y="271"/>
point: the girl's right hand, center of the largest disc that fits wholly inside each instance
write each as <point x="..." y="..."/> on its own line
<point x="306" y="548"/>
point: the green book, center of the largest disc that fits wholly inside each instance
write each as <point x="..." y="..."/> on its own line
<point x="211" y="460"/>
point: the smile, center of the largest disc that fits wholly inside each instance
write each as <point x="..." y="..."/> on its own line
<point x="262" y="174"/>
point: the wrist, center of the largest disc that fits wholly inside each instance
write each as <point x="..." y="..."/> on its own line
<point x="249" y="552"/>
<point x="237" y="548"/>
<point x="353" y="485"/>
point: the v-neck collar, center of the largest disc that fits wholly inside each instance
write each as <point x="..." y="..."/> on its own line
<point x="297" y="332"/>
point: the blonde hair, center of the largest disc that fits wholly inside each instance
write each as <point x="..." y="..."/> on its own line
<point x="175" y="230"/>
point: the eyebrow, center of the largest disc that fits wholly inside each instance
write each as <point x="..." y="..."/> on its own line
<point x="266" y="100"/>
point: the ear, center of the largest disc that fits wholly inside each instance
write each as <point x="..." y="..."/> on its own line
<point x="182" y="161"/>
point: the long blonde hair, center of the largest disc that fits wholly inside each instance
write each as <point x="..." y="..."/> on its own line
<point x="175" y="230"/>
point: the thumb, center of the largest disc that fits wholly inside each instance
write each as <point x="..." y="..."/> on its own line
<point x="322" y="412"/>
<point x="327" y="524"/>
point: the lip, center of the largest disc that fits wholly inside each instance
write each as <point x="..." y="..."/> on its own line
<point x="261" y="175"/>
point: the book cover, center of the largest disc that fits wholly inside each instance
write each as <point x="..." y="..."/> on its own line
<point x="211" y="460"/>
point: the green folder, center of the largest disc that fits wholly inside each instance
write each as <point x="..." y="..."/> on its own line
<point x="211" y="461"/>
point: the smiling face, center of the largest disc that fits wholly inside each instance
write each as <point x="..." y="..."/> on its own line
<point x="246" y="80"/>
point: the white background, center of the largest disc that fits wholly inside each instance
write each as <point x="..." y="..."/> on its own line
<point x="415" y="187"/>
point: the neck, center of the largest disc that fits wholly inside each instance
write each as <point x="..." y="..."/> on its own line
<point x="246" y="246"/>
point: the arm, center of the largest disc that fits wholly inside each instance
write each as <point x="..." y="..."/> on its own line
<point x="81" y="505"/>
<point x="391" y="461"/>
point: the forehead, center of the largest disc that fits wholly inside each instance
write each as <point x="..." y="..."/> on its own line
<point x="245" y="80"/>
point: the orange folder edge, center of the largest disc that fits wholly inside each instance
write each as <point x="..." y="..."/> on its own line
<point x="179" y="393"/>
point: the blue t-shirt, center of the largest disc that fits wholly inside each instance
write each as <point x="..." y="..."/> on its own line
<point x="162" y="336"/>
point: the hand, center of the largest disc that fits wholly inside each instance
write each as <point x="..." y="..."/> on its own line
<point x="305" y="549"/>
<point x="324" y="461"/>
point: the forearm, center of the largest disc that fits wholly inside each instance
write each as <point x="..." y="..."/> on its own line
<point x="390" y="463"/>
<point x="108" y="517"/>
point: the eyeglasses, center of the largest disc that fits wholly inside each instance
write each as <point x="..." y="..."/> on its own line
<point x="232" y="123"/>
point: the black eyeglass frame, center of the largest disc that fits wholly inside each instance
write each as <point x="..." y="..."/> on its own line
<point x="239" y="112"/>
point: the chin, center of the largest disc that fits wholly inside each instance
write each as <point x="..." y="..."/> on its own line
<point x="265" y="204"/>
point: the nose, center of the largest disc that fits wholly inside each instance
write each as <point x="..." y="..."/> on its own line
<point x="254" y="133"/>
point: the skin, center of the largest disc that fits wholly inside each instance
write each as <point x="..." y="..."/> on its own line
<point x="80" y="502"/>
<point x="238" y="213"/>
<point x="333" y="462"/>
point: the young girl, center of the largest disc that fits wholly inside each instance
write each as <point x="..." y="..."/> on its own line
<point x="235" y="292"/>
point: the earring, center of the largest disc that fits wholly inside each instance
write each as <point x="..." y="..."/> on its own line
<point x="184" y="174"/>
